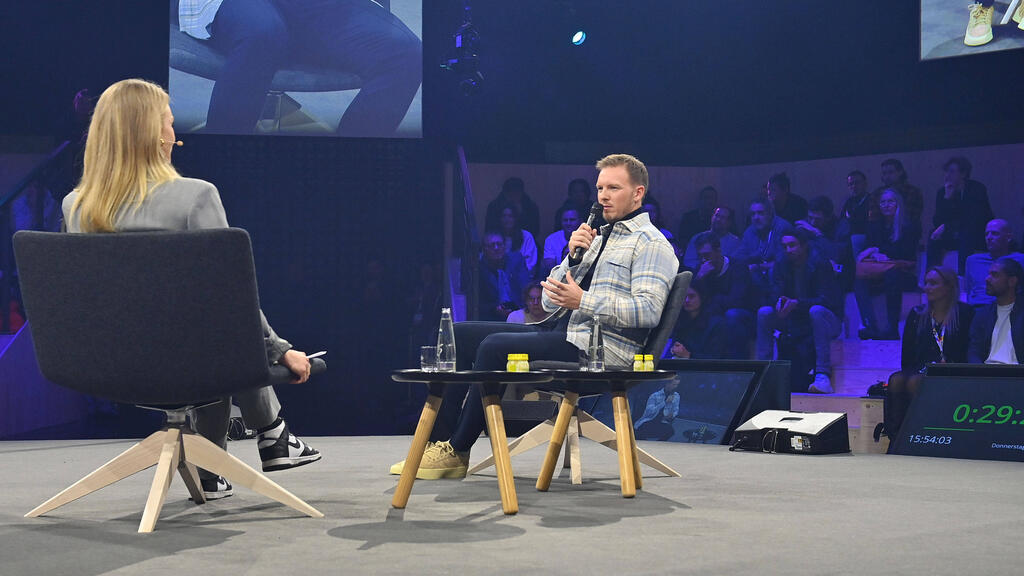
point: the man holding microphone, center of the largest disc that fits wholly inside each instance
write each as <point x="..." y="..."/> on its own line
<point x="621" y="272"/>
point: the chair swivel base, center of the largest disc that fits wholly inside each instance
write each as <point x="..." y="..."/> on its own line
<point x="174" y="449"/>
<point x="582" y="424"/>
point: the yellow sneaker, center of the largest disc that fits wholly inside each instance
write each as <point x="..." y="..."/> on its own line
<point x="440" y="460"/>
<point x="397" y="467"/>
<point x="979" y="27"/>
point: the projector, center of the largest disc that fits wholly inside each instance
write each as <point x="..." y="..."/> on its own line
<point x="794" y="432"/>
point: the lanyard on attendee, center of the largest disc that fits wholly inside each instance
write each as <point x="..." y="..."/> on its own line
<point x="939" y="333"/>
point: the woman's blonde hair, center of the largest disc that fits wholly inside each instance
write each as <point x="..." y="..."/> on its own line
<point x="952" y="283"/>
<point x="123" y="156"/>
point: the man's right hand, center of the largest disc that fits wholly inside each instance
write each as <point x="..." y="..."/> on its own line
<point x="706" y="268"/>
<point x="583" y="237"/>
<point x="680" y="351"/>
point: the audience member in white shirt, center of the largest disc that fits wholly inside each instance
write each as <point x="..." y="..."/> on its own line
<point x="556" y="243"/>
<point x="533" y="312"/>
<point x="997" y="332"/>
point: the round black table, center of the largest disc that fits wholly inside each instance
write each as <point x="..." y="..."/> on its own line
<point x="491" y="382"/>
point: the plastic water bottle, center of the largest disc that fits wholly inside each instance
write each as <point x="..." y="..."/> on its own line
<point x="446" y="342"/>
<point x="595" y="351"/>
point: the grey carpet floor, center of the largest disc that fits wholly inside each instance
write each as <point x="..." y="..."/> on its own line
<point x="730" y="513"/>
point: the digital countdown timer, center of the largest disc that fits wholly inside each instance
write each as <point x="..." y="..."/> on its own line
<point x="967" y="412"/>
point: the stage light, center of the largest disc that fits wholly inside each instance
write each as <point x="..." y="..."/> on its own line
<point x="579" y="37"/>
<point x="463" y="58"/>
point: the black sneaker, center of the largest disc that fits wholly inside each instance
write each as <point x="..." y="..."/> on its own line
<point x="280" y="449"/>
<point x="216" y="488"/>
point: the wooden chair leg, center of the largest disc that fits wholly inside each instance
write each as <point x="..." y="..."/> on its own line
<point x="166" y="466"/>
<point x="565" y="412"/>
<point x="209" y="456"/>
<point x="415" y="456"/>
<point x="623" y="446"/>
<point x="499" y="447"/>
<point x="595" y="430"/>
<point x="190" y="476"/>
<point x="633" y="449"/>
<point x="133" y="460"/>
<point x="539" y="434"/>
<point x="572" y="451"/>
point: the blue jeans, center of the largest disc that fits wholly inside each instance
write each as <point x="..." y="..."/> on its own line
<point x="893" y="283"/>
<point x="825" y="327"/>
<point x="259" y="37"/>
<point x="486" y="346"/>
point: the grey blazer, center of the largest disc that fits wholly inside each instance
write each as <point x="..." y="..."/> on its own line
<point x="182" y="204"/>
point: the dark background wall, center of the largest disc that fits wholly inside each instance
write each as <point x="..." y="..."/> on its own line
<point x="679" y="83"/>
<point x="721" y="83"/>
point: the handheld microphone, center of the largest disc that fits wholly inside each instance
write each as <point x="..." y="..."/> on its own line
<point x="175" y="143"/>
<point x="595" y="212"/>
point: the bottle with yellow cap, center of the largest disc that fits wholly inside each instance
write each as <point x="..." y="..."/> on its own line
<point x="513" y="363"/>
<point x="523" y="363"/>
<point x="648" y="362"/>
<point x="638" y="362"/>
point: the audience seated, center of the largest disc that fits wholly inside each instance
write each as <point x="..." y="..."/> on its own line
<point x="807" y="305"/>
<point x="894" y="177"/>
<point x="830" y="237"/>
<point x="577" y="197"/>
<point x="761" y="244"/>
<point x="997" y="332"/>
<point x="557" y="243"/>
<point x="503" y="276"/>
<point x="788" y="206"/>
<point x="513" y="192"/>
<point x="697" y="333"/>
<point x="653" y="209"/>
<point x="935" y="332"/>
<point x="728" y="294"/>
<point x="961" y="211"/>
<point x="998" y="240"/>
<point x="722" y="223"/>
<point x="699" y="219"/>
<point x="518" y="239"/>
<point x="857" y="208"/>
<point x="892" y="237"/>
<point x="533" y="312"/>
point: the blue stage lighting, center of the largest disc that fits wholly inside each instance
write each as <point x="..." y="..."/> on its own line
<point x="579" y="37"/>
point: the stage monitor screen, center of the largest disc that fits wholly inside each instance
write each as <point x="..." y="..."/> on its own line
<point x="966" y="411"/>
<point x="705" y="401"/>
<point x="961" y="29"/>
<point x="347" y="68"/>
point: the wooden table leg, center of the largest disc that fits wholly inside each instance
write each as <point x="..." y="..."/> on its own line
<point x="419" y="444"/>
<point x="499" y="447"/>
<point x="624" y="447"/>
<point x="633" y="450"/>
<point x="565" y="411"/>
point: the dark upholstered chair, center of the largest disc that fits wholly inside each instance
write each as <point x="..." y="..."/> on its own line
<point x="580" y="423"/>
<point x="166" y="320"/>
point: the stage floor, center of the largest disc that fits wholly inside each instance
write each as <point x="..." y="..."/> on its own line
<point x="730" y="513"/>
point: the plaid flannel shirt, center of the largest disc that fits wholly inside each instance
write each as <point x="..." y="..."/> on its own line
<point x="628" y="290"/>
<point x="195" y="15"/>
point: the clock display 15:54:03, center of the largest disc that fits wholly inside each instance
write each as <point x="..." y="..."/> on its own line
<point x="988" y="414"/>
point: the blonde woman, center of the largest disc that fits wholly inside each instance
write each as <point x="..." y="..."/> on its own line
<point x="936" y="332"/>
<point x="892" y="237"/>
<point x="128" y="183"/>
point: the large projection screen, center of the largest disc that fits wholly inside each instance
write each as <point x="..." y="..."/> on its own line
<point x="349" y="68"/>
<point x="945" y="28"/>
